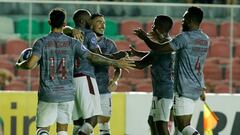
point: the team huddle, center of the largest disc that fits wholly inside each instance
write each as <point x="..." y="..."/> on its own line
<point x="75" y="84"/>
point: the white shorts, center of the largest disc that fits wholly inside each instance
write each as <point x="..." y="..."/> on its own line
<point x="106" y="104"/>
<point x="183" y="105"/>
<point x="161" y="109"/>
<point x="48" y="113"/>
<point x="87" y="99"/>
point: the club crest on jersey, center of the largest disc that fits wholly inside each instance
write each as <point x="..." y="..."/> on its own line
<point x="94" y="40"/>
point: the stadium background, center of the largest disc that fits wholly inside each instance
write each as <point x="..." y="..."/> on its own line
<point x="22" y="22"/>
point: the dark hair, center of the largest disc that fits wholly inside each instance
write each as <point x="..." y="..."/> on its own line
<point x="196" y="14"/>
<point x="79" y="15"/>
<point x="95" y="15"/>
<point x="57" y="17"/>
<point x="164" y="22"/>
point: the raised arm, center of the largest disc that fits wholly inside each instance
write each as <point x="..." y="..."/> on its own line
<point x="134" y="52"/>
<point x="159" y="47"/>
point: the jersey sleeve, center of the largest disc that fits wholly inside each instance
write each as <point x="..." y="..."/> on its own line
<point x="80" y="49"/>
<point x="179" y="42"/>
<point x="37" y="48"/>
<point x="92" y="43"/>
<point x="113" y="48"/>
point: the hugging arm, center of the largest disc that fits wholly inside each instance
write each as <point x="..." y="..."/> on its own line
<point x="159" y="47"/>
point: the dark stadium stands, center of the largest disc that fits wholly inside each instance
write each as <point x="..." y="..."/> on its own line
<point x="213" y="71"/>
<point x="219" y="49"/>
<point x="237" y="50"/>
<point x="176" y="28"/>
<point x="225" y="29"/>
<point x="16" y="85"/>
<point x="210" y="28"/>
<point x="148" y="26"/>
<point x="15" y="46"/>
<point x="122" y="45"/>
<point x="127" y="26"/>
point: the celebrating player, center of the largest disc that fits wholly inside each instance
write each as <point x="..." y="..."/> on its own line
<point x="191" y="48"/>
<point x="105" y="86"/>
<point x="87" y="100"/>
<point x="162" y="76"/>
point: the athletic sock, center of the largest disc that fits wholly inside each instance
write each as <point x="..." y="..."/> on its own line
<point x="189" y="130"/>
<point x="104" y="128"/>
<point x="42" y="132"/>
<point x="75" y="129"/>
<point x="86" y="128"/>
<point x="62" y="133"/>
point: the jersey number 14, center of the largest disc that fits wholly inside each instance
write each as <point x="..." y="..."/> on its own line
<point x="61" y="69"/>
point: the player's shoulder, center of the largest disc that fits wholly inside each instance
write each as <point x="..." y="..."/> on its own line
<point x="179" y="37"/>
<point x="108" y="41"/>
<point x="204" y="35"/>
<point x="89" y="32"/>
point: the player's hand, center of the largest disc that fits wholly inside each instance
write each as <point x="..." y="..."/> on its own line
<point x="112" y="85"/>
<point x="125" y="63"/>
<point x="140" y="33"/>
<point x="121" y="54"/>
<point x="133" y="51"/>
<point x="126" y="56"/>
<point x="78" y="35"/>
<point x="203" y="96"/>
<point x="17" y="65"/>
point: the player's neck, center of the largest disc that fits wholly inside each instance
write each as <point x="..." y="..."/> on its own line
<point x="57" y="30"/>
<point x="194" y="27"/>
<point x="99" y="37"/>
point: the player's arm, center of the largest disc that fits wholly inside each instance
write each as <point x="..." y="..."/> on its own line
<point x="114" y="81"/>
<point x="29" y="63"/>
<point x="117" y="55"/>
<point x="159" y="47"/>
<point x="101" y="60"/>
<point x="137" y="53"/>
<point x="75" y="33"/>
<point x="96" y="50"/>
<point x="144" y="62"/>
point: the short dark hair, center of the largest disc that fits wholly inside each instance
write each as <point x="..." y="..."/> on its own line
<point x="164" y="22"/>
<point x="57" y="17"/>
<point x="78" y="15"/>
<point x="196" y="14"/>
<point x="95" y="15"/>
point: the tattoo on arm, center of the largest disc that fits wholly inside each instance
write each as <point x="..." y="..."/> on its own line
<point x="100" y="60"/>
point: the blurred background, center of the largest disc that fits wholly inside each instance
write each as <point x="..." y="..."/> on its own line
<point x="22" y="22"/>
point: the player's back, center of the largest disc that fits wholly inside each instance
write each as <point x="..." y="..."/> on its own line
<point x="57" y="52"/>
<point x="189" y="64"/>
<point x="84" y="65"/>
<point x="107" y="46"/>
